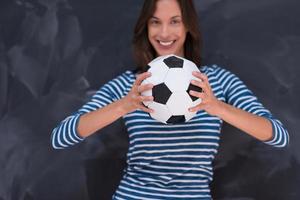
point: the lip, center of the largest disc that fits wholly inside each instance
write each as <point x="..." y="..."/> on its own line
<point x="166" y="43"/>
<point x="166" y="47"/>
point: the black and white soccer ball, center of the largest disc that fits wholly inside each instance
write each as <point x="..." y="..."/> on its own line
<point x="171" y="76"/>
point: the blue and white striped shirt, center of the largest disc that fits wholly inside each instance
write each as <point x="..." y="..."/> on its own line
<point x="170" y="161"/>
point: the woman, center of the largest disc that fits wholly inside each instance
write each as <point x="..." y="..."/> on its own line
<point x="170" y="161"/>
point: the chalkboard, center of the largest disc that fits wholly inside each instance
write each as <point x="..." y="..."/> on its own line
<point x="55" y="54"/>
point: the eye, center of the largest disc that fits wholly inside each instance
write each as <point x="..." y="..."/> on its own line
<point x="153" y="22"/>
<point x="175" y="21"/>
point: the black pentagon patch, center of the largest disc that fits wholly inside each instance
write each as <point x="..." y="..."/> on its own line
<point x="147" y="67"/>
<point x="175" y="119"/>
<point x="161" y="93"/>
<point x="194" y="88"/>
<point x="173" y="62"/>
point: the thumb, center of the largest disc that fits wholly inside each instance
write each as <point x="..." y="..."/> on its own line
<point x="200" y="106"/>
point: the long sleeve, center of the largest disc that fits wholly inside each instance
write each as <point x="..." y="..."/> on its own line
<point x="237" y="94"/>
<point x="65" y="134"/>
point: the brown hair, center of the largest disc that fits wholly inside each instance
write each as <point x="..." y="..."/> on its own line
<point x="143" y="51"/>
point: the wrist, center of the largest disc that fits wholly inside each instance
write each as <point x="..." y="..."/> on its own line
<point x="121" y="107"/>
<point x="222" y="108"/>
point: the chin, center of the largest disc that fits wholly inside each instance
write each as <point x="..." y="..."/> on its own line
<point x="168" y="53"/>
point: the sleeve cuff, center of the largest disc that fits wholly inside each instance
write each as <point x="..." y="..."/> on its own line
<point x="279" y="137"/>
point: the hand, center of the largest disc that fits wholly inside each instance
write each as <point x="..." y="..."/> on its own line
<point x="134" y="100"/>
<point x="209" y="102"/>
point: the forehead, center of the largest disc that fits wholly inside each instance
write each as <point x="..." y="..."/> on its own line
<point x="167" y="9"/>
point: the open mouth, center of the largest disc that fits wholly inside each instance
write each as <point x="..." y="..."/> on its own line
<point x="166" y="43"/>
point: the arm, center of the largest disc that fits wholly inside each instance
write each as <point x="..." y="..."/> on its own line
<point x="106" y="106"/>
<point x="256" y="126"/>
<point x="241" y="109"/>
<point x="89" y="123"/>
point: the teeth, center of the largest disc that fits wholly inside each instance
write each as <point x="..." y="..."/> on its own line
<point x="166" y="43"/>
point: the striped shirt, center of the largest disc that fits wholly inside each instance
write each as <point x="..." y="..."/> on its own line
<point x="170" y="161"/>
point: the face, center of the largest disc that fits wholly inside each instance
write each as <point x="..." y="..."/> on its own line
<point x="166" y="31"/>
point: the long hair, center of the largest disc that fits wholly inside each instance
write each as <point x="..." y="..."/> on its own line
<point x="143" y="51"/>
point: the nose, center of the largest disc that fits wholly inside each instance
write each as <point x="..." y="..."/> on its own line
<point x="164" y="31"/>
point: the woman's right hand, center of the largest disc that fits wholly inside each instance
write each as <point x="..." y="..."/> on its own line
<point x="134" y="100"/>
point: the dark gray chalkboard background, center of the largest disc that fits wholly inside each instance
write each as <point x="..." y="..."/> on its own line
<point x="55" y="53"/>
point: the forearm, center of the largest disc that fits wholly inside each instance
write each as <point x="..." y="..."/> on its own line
<point x="265" y="128"/>
<point x="258" y="127"/>
<point x="91" y="122"/>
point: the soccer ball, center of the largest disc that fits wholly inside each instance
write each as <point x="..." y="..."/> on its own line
<point x="171" y="76"/>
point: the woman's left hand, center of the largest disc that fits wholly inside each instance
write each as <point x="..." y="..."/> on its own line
<point x="209" y="102"/>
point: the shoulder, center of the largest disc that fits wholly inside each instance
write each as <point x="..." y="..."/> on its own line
<point x="125" y="78"/>
<point x="214" y="70"/>
<point x="119" y="85"/>
<point x="128" y="74"/>
<point x="219" y="73"/>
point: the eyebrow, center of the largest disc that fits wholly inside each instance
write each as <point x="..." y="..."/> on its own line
<point x="171" y="17"/>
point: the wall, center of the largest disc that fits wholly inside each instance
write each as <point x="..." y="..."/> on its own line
<point x="55" y="54"/>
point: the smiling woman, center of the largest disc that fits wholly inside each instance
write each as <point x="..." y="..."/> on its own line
<point x="167" y="27"/>
<point x="171" y="161"/>
<point x="166" y="30"/>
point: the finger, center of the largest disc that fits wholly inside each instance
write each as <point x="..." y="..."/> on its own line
<point x="200" y="95"/>
<point x="197" y="74"/>
<point x="145" y="109"/>
<point x="197" y="108"/>
<point x="205" y="80"/>
<point x="142" y="77"/>
<point x="145" y="87"/>
<point x="200" y="84"/>
<point x="201" y="76"/>
<point x="197" y="83"/>
<point x="145" y="98"/>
